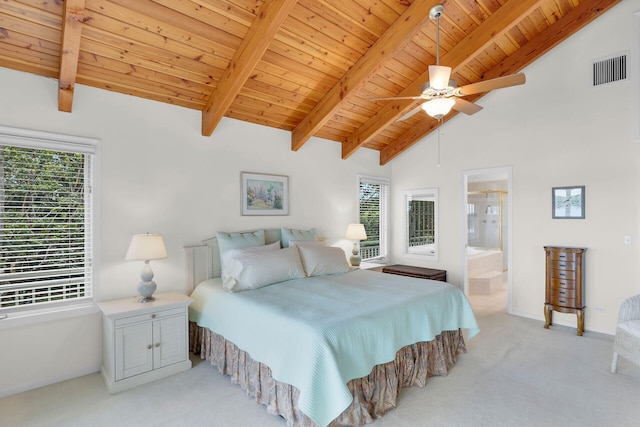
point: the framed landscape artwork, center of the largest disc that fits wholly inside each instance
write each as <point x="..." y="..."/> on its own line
<point x="264" y="194"/>
<point x="567" y="202"/>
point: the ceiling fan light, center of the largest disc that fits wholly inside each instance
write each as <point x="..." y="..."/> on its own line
<point x="438" y="107"/>
<point x="439" y="76"/>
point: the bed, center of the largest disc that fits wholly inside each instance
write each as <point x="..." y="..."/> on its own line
<point x="317" y="342"/>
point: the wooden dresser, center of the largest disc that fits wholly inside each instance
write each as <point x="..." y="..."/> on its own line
<point x="564" y="283"/>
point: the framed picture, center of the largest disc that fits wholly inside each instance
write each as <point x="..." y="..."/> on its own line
<point x="567" y="202"/>
<point x="264" y="194"/>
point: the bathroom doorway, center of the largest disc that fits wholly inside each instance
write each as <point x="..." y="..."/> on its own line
<point x="487" y="238"/>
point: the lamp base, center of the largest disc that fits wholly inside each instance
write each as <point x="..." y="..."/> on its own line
<point x="355" y="260"/>
<point x="146" y="289"/>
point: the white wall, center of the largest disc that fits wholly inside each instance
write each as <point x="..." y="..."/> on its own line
<point x="160" y="175"/>
<point x="556" y="130"/>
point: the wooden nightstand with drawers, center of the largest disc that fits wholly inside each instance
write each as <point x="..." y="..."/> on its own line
<point x="564" y="283"/>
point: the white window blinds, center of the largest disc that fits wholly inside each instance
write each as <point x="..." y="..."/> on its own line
<point x="45" y="224"/>
<point x="373" y="202"/>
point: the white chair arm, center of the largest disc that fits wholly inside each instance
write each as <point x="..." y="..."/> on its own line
<point x="630" y="309"/>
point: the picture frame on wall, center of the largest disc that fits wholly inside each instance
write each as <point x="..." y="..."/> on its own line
<point x="568" y="202"/>
<point x="264" y="194"/>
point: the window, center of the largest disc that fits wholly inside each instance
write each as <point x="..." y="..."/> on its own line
<point x="373" y="203"/>
<point x="421" y="223"/>
<point x="46" y="228"/>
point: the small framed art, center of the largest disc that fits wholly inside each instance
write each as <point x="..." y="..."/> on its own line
<point x="264" y="194"/>
<point x="567" y="202"/>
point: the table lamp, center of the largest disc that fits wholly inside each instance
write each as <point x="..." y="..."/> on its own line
<point x="356" y="233"/>
<point x="145" y="247"/>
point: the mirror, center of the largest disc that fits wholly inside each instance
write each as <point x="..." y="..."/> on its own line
<point x="421" y="224"/>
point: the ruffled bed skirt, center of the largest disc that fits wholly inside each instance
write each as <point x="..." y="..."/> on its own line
<point x="374" y="395"/>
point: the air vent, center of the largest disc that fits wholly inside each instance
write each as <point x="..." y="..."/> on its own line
<point x="610" y="70"/>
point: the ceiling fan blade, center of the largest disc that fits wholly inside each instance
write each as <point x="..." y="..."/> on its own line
<point x="466" y="107"/>
<point x="410" y="113"/>
<point x="497" y="83"/>
<point x="439" y="76"/>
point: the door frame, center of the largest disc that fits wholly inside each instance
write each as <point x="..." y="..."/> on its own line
<point x="489" y="174"/>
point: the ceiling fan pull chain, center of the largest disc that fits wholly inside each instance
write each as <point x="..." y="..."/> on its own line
<point x="439" y="132"/>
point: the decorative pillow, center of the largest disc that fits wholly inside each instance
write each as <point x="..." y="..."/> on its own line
<point x="298" y="235"/>
<point x="229" y="254"/>
<point x="253" y="270"/>
<point x="306" y="242"/>
<point x="321" y="260"/>
<point x="228" y="241"/>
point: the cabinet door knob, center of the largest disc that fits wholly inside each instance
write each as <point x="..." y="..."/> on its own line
<point x="149" y="347"/>
<point x="157" y="344"/>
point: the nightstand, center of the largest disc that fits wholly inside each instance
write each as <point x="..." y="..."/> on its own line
<point x="143" y="342"/>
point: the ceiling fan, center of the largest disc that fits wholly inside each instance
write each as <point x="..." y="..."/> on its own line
<point x="442" y="94"/>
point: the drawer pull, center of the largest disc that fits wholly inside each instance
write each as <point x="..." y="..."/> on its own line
<point x="562" y="256"/>
<point x="562" y="275"/>
<point x="153" y="316"/>
<point x="562" y="301"/>
<point x="562" y="264"/>
<point x="562" y="292"/>
<point x="563" y="283"/>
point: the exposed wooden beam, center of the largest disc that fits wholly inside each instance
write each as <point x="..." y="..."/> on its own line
<point x="245" y="59"/>
<point x="393" y="40"/>
<point x="560" y="30"/>
<point x="72" y="19"/>
<point x="493" y="28"/>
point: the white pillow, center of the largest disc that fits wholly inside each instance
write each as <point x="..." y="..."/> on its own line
<point x="227" y="241"/>
<point x="319" y="260"/>
<point x="254" y="270"/>
<point x="229" y="254"/>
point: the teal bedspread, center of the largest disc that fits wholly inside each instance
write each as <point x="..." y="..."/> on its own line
<point x="318" y="333"/>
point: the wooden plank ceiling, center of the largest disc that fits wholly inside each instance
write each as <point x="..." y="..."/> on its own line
<point x="307" y="66"/>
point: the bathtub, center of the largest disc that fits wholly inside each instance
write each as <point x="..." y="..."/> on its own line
<point x="485" y="271"/>
<point x="480" y="260"/>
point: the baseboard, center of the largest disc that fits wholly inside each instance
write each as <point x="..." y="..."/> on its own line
<point x="45" y="382"/>
<point x="561" y="323"/>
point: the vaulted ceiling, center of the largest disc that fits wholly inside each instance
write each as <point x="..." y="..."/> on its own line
<point x="309" y="67"/>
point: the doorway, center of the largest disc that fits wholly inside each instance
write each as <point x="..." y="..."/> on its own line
<point x="486" y="255"/>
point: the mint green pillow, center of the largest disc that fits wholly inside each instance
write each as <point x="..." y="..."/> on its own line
<point x="227" y="241"/>
<point x="297" y="235"/>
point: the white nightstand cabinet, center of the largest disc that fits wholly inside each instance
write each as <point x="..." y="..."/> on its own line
<point x="143" y="342"/>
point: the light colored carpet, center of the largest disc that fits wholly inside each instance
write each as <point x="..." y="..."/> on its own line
<point x="516" y="373"/>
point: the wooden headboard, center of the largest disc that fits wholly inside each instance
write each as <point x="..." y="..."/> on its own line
<point x="203" y="259"/>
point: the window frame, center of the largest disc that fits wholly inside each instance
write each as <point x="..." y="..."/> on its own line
<point x="26" y="138"/>
<point x="429" y="194"/>
<point x="383" y="211"/>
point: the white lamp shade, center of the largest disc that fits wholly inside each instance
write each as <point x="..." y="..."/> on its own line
<point x="356" y="232"/>
<point x="438" y="107"/>
<point x="145" y="247"/>
<point x="439" y="76"/>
